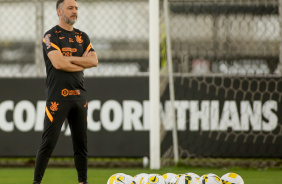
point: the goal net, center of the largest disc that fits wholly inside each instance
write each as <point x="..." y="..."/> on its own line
<point x="227" y="81"/>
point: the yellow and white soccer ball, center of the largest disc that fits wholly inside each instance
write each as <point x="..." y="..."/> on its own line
<point x="174" y="179"/>
<point x="112" y="178"/>
<point x="154" y="179"/>
<point x="137" y="179"/>
<point x="144" y="179"/>
<point x="120" y="178"/>
<point x="168" y="177"/>
<point x="232" y="178"/>
<point x="188" y="179"/>
<point x="210" y="179"/>
<point x="193" y="174"/>
<point x="123" y="179"/>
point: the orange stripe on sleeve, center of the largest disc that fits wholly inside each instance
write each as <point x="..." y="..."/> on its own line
<point x="53" y="45"/>
<point x="89" y="47"/>
<point x="49" y="115"/>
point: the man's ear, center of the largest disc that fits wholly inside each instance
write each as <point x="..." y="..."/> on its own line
<point x="58" y="11"/>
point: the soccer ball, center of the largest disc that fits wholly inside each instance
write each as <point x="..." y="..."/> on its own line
<point x="112" y="178"/>
<point x="144" y="179"/>
<point x="210" y="179"/>
<point x="123" y="179"/>
<point x="231" y="178"/>
<point x="186" y="178"/>
<point x="154" y="179"/>
<point x="168" y="177"/>
<point x="174" y="179"/>
<point x="193" y="174"/>
<point x="139" y="177"/>
<point x="120" y="178"/>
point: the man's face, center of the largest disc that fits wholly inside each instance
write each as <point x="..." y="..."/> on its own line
<point x="69" y="11"/>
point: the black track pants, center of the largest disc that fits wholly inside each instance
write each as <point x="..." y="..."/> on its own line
<point x="55" y="115"/>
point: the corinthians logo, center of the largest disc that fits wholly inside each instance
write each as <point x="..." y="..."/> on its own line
<point x="78" y="39"/>
<point x="54" y="106"/>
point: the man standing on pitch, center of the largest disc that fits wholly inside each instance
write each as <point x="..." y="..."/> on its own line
<point x="67" y="52"/>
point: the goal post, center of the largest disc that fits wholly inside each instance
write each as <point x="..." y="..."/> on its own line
<point x="155" y="122"/>
<point x="154" y="81"/>
<point x="171" y="81"/>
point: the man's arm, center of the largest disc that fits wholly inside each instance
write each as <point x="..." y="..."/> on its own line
<point x="88" y="60"/>
<point x="61" y="63"/>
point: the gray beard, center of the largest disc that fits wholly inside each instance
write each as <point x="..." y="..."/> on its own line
<point x="68" y="21"/>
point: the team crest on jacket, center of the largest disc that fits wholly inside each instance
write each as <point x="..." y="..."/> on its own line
<point x="78" y="39"/>
<point x="54" y="106"/>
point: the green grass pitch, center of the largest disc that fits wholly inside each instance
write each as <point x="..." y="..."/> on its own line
<point x="101" y="175"/>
